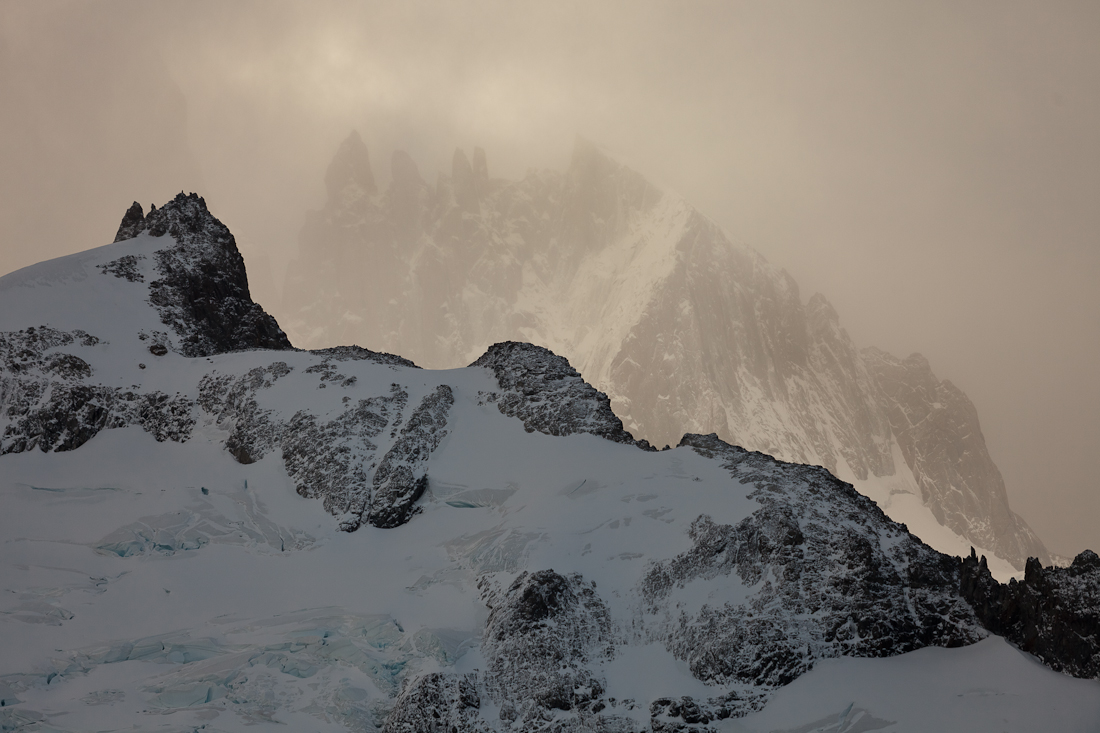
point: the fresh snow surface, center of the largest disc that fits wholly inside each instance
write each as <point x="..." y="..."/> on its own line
<point x="276" y="573"/>
<point x="989" y="687"/>
<point x="164" y="586"/>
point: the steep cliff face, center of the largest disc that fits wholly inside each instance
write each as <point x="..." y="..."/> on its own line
<point x="937" y="429"/>
<point x="201" y="287"/>
<point x="685" y="330"/>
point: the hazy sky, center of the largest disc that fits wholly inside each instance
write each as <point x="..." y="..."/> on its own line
<point x="933" y="169"/>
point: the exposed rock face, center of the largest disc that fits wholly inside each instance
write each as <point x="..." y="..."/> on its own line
<point x="49" y="401"/>
<point x="684" y="330"/>
<point x="1054" y="613"/>
<point x="358" y="353"/>
<point x="548" y="395"/>
<point x="202" y="293"/>
<point x="332" y="459"/>
<point x="831" y="574"/>
<point x="401" y="477"/>
<point x="133" y="223"/>
<point x="937" y="428"/>
<point x="543" y="636"/>
<point x="437" y="703"/>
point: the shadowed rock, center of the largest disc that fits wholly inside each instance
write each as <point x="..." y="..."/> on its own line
<point x="402" y="476"/>
<point x="202" y="292"/>
<point x="548" y="395"/>
<point x="1054" y="613"/>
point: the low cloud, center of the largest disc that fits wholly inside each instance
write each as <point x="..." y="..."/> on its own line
<point x="932" y="168"/>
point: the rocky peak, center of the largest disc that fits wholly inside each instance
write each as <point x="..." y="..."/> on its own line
<point x="350" y="167"/>
<point x="185" y="217"/>
<point x="961" y="484"/>
<point x="464" y="182"/>
<point x="599" y="194"/>
<point x="133" y="223"/>
<point x="202" y="291"/>
<point x="481" y="168"/>
<point x="548" y="395"/>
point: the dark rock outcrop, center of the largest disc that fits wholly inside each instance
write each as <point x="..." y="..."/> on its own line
<point x="48" y="403"/>
<point x="401" y="477"/>
<point x="328" y="459"/>
<point x="202" y="292"/>
<point x="1053" y="613"/>
<point x="826" y="573"/>
<point x="133" y="223"/>
<point x="548" y="395"/>
<point x="358" y="353"/>
<point x="125" y="267"/>
<point x="685" y="714"/>
<point x="437" y="703"/>
<point x="542" y="638"/>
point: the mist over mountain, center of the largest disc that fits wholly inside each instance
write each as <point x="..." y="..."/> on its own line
<point x="685" y="330"/>
<point x="206" y="528"/>
<point x="931" y="168"/>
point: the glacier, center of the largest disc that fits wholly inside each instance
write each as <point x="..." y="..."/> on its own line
<point x="196" y="536"/>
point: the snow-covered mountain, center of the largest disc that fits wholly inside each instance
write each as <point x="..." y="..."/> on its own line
<point x="205" y="528"/>
<point x="684" y="329"/>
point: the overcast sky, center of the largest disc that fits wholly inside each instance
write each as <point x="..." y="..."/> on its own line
<point x="933" y="169"/>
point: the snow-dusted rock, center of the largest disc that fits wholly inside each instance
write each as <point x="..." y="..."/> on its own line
<point x="178" y="543"/>
<point x="437" y="703"/>
<point x="544" y="638"/>
<point x="401" y="476"/>
<point x="48" y="403"/>
<point x="1054" y="612"/>
<point x="202" y="289"/>
<point x="824" y="573"/>
<point x="684" y="329"/>
<point x="548" y="395"/>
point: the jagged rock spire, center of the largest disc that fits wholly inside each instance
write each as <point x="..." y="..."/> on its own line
<point x="481" y="168"/>
<point x="350" y="166"/>
<point x="404" y="171"/>
<point x="133" y="223"/>
<point x="202" y="292"/>
<point x="465" y="185"/>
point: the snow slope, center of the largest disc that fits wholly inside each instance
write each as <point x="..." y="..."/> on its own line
<point x="177" y="554"/>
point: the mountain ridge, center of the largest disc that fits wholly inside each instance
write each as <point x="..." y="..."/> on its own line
<point x="514" y="549"/>
<point x="685" y="330"/>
